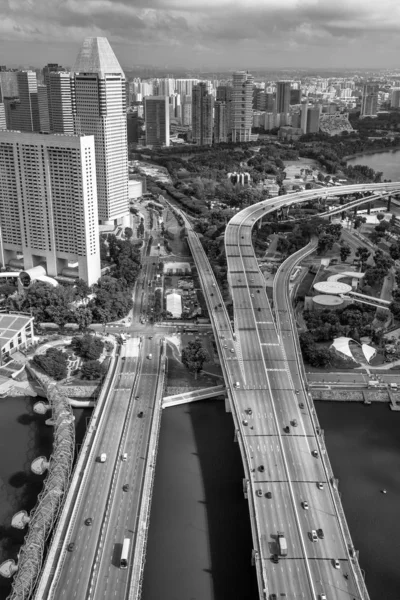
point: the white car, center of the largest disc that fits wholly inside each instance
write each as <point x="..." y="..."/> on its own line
<point x="320" y="485"/>
<point x="336" y="563"/>
<point x="314" y="536"/>
<point x="305" y="505"/>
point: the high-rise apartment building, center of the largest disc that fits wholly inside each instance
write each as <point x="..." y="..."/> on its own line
<point x="99" y="109"/>
<point x="241" y="112"/>
<point x="8" y="85"/>
<point x="187" y="111"/>
<point x="3" y="123"/>
<point x="221" y="125"/>
<point x="59" y="94"/>
<point x="185" y="86"/>
<point x="48" y="203"/>
<point x="26" y="111"/>
<point x="395" y="98"/>
<point x="43" y="104"/>
<point x="313" y="114"/>
<point x="282" y="97"/>
<point x="369" y="102"/>
<point x="156" y="109"/>
<point x="303" y="116"/>
<point x="202" y="115"/>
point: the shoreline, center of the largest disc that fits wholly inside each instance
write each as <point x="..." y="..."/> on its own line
<point x="372" y="151"/>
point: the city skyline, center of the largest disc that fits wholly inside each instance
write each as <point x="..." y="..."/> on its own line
<point x="217" y="34"/>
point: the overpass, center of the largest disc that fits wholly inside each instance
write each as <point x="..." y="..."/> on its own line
<point x="193" y="396"/>
<point x="284" y="457"/>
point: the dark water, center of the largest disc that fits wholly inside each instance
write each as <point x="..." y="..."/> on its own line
<point x="199" y="545"/>
<point x="363" y="444"/>
<point x="23" y="436"/>
<point x="199" y="539"/>
<point x="387" y="162"/>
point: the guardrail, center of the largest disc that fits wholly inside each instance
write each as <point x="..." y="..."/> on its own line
<point x="57" y="553"/>
<point x="143" y="516"/>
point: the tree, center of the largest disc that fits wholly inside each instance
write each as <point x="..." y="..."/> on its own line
<point x="92" y="369"/>
<point x="394" y="250"/>
<point x="128" y="232"/>
<point x="363" y="254"/>
<point x="81" y="288"/>
<point x="325" y="242"/>
<point x="358" y="221"/>
<point x="194" y="356"/>
<point x="88" y="346"/>
<point x="345" y="252"/>
<point x="380" y="216"/>
<point x="53" y="363"/>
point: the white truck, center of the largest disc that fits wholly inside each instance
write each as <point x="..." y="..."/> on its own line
<point x="103" y="457"/>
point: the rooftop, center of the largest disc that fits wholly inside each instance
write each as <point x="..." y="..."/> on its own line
<point x="10" y="325"/>
<point x="97" y="56"/>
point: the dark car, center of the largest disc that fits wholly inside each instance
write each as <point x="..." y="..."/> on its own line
<point x="320" y="534"/>
<point x="301" y="405"/>
<point x="140" y="414"/>
<point x="261" y="468"/>
<point x="125" y="487"/>
<point x="268" y="495"/>
<point x="89" y="521"/>
<point x="286" y="429"/>
<point x="275" y="559"/>
<point x="71" y="547"/>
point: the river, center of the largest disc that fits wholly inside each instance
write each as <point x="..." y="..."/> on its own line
<point x="199" y="539"/>
<point x="388" y="162"/>
<point x="23" y="436"/>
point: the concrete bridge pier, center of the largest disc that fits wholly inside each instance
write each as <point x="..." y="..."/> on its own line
<point x="246" y="488"/>
<point x="235" y="435"/>
<point x="227" y="404"/>
<point x="8" y="568"/>
<point x="40" y="465"/>
<point x="41" y="407"/>
<point x="20" y="519"/>
<point x="254" y="557"/>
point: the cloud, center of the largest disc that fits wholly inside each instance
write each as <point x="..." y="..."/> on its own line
<point x="238" y="28"/>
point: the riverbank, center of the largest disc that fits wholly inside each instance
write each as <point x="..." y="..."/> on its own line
<point x="372" y="151"/>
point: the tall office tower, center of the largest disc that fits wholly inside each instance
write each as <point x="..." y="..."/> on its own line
<point x="369" y="103"/>
<point x="59" y="95"/>
<point x="282" y="96"/>
<point x="395" y="98"/>
<point x="187" y="111"/>
<point x="224" y="93"/>
<point x="269" y="102"/>
<point x="3" y="123"/>
<point x="295" y="96"/>
<point x="241" y="113"/>
<point x="303" y="117"/>
<point x="202" y="115"/>
<point x="8" y="85"/>
<point x="44" y="118"/>
<point x="50" y="68"/>
<point x="26" y="112"/>
<point x="221" y="126"/>
<point x="259" y="99"/>
<point x="156" y="109"/>
<point x="313" y="115"/>
<point x="99" y="109"/>
<point x="48" y="203"/>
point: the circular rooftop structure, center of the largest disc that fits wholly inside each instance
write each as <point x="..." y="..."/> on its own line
<point x="333" y="288"/>
<point x="327" y="301"/>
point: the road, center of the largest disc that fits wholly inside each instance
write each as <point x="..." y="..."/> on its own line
<point x="276" y="429"/>
<point x="122" y="519"/>
<point x="75" y="577"/>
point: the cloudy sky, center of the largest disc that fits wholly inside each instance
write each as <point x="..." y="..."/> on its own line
<point x="206" y="33"/>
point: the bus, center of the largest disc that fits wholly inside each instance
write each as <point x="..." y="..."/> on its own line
<point x="125" y="553"/>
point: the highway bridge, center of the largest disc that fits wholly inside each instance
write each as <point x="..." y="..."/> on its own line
<point x="289" y="483"/>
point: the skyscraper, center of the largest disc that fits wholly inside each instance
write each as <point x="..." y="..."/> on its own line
<point x="59" y="94"/>
<point x="3" y="124"/>
<point x="202" y="115"/>
<point x="156" y="110"/>
<point x="43" y="104"/>
<point x="187" y="111"/>
<point x="48" y="203"/>
<point x="313" y="114"/>
<point x="26" y="110"/>
<point x="303" y="118"/>
<point x="395" y="98"/>
<point x="282" y="97"/>
<point x="369" y="103"/>
<point x="220" y="122"/>
<point x="8" y="85"/>
<point x="99" y="109"/>
<point x="241" y="112"/>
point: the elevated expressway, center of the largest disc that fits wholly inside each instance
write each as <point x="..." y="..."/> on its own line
<point x="263" y="372"/>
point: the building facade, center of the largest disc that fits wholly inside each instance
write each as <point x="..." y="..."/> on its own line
<point x="202" y="115"/>
<point x="48" y="203"/>
<point x="26" y="110"/>
<point x="282" y="97"/>
<point x="221" y="123"/>
<point x="59" y="94"/>
<point x="241" y="112"/>
<point x="99" y="109"/>
<point x="369" y="102"/>
<point x="156" y="110"/>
